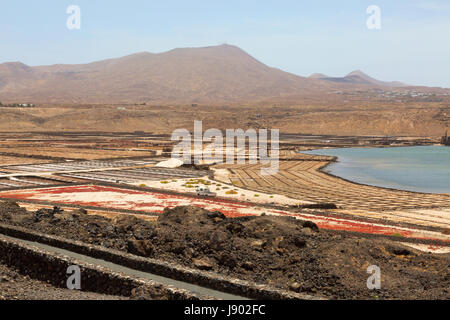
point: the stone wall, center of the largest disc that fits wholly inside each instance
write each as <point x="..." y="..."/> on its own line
<point x="52" y="268"/>
<point x="161" y="268"/>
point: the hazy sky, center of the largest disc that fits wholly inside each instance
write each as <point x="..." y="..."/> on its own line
<point x="301" y="37"/>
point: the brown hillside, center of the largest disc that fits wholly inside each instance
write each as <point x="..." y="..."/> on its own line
<point x="193" y="75"/>
<point x="210" y="75"/>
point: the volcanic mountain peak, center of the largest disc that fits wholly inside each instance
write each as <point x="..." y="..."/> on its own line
<point x="357" y="77"/>
<point x="212" y="75"/>
<point x="358" y="73"/>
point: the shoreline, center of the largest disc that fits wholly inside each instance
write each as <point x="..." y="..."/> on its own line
<point x="337" y="160"/>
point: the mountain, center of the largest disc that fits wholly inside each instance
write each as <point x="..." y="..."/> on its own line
<point x="318" y="76"/>
<point x="218" y="74"/>
<point x="357" y="77"/>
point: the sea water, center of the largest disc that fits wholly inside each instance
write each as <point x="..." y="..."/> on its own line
<point x="421" y="169"/>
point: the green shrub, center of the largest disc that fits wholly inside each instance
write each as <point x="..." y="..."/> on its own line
<point x="399" y="235"/>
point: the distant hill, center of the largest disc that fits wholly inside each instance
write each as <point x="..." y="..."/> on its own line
<point x="318" y="76"/>
<point x="219" y="74"/>
<point x="357" y="77"/>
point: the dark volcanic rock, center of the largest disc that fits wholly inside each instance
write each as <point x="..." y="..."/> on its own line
<point x="142" y="248"/>
<point x="310" y="225"/>
<point x="299" y="242"/>
<point x="216" y="214"/>
<point x="281" y="251"/>
<point x="42" y="214"/>
<point x="398" y="251"/>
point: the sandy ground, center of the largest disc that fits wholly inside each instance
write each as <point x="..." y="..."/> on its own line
<point x="10" y="161"/>
<point x="104" y="213"/>
<point x="439" y="217"/>
<point x="179" y="185"/>
<point x="171" y="163"/>
<point x="428" y="248"/>
<point x="73" y="153"/>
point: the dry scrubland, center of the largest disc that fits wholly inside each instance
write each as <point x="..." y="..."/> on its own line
<point x="70" y="153"/>
<point x="331" y="116"/>
<point x="6" y="161"/>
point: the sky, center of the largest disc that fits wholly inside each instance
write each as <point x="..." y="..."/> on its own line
<point x="298" y="36"/>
